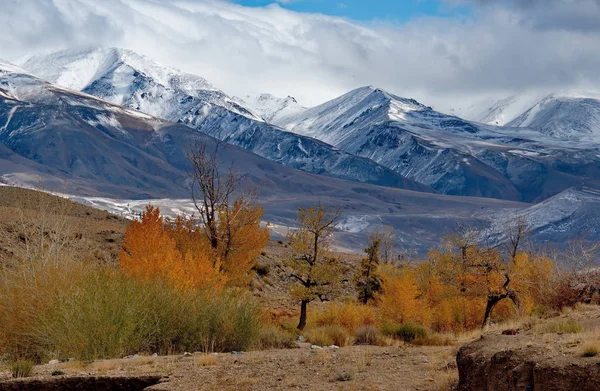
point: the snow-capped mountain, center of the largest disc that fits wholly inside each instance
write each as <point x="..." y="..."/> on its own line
<point x="104" y="154"/>
<point x="135" y="82"/>
<point x="452" y="155"/>
<point x="498" y="112"/>
<point x="566" y="117"/>
<point x="271" y="108"/>
<point x="128" y="79"/>
<point x="112" y="156"/>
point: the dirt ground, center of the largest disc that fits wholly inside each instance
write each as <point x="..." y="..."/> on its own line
<point x="349" y="368"/>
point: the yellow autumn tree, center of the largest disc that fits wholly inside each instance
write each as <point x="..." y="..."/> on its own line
<point x="241" y="240"/>
<point x="398" y="301"/>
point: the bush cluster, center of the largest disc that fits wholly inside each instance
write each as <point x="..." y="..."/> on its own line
<point x="98" y="312"/>
<point x="407" y="332"/>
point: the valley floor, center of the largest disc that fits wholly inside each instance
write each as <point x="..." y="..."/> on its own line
<point x="349" y="368"/>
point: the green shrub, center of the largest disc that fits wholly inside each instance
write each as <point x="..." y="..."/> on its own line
<point x="227" y="322"/>
<point x="21" y="368"/>
<point x="262" y="269"/>
<point x="345" y="376"/>
<point x="406" y="332"/>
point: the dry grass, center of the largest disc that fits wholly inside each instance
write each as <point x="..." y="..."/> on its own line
<point x="444" y="380"/>
<point x="329" y="335"/>
<point x="21" y="368"/>
<point x="274" y="337"/>
<point x="105" y="366"/>
<point x="590" y="351"/>
<point x="206" y="360"/>
<point x="433" y="340"/>
<point x="569" y="326"/>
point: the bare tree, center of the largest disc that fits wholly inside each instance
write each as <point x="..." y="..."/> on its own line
<point x="229" y="216"/>
<point x="211" y="189"/>
<point x="387" y="243"/>
<point x="517" y="232"/>
<point x="580" y="270"/>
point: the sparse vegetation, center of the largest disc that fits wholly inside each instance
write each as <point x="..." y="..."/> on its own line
<point x="21" y="368"/>
<point x="329" y="335"/>
<point x="590" y="351"/>
<point x="367" y="335"/>
<point x="433" y="340"/>
<point x="206" y="360"/>
<point x="561" y="327"/>
<point x="405" y="332"/>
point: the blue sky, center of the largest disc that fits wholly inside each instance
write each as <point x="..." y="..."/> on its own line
<point x="394" y="10"/>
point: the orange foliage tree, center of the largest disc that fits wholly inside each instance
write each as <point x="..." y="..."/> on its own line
<point x="153" y="250"/>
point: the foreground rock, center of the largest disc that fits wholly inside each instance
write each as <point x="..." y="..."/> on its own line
<point x="81" y="383"/>
<point x="526" y="362"/>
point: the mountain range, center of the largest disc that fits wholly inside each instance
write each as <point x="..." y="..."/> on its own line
<point x="450" y="154"/>
<point x="116" y="125"/>
<point x="567" y="116"/>
<point x="137" y="83"/>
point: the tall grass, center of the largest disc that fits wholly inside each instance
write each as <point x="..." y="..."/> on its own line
<point x="21" y="368"/>
<point x="561" y="327"/>
<point x="97" y="312"/>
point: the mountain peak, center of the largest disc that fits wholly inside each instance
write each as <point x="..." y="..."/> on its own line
<point x="271" y="108"/>
<point x="79" y="68"/>
<point x="132" y="80"/>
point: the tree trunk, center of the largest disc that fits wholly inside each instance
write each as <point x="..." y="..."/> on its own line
<point x="303" y="307"/>
<point x="491" y="303"/>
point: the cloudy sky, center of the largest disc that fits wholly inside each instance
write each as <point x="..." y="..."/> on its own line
<point x="444" y="53"/>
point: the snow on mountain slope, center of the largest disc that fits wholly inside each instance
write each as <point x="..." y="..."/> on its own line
<point x="499" y="112"/>
<point x="571" y="214"/>
<point x="566" y="117"/>
<point x="450" y="154"/>
<point x="128" y="79"/>
<point x="271" y="108"/>
<point x="135" y="82"/>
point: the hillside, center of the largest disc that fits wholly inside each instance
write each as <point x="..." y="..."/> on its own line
<point x="92" y="232"/>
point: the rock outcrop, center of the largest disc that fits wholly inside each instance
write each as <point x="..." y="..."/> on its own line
<point x="511" y="363"/>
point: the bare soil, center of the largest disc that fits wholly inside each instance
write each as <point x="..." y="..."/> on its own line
<point x="350" y="368"/>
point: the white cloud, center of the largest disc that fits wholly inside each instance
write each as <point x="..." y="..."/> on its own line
<point x="501" y="49"/>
